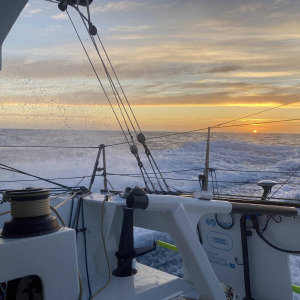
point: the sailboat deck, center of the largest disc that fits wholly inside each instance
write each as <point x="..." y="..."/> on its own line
<point x="147" y="284"/>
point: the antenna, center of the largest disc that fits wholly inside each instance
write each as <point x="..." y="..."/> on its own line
<point x="267" y="186"/>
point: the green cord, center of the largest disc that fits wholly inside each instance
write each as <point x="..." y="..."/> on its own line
<point x="166" y="245"/>
<point x="296" y="289"/>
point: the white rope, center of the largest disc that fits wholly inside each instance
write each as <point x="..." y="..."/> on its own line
<point x="28" y="209"/>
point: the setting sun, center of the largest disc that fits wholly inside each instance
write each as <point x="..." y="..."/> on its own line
<point x="254" y="131"/>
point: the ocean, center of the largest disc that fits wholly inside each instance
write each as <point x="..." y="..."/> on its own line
<point x="232" y="155"/>
<point x="240" y="160"/>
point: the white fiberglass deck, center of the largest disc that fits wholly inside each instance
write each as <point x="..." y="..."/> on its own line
<point x="147" y="284"/>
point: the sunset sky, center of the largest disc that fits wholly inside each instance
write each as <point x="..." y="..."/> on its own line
<point x="183" y="65"/>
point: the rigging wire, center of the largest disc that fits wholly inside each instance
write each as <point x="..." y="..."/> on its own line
<point x="254" y="114"/>
<point x="141" y="137"/>
<point x="163" y="172"/>
<point x="136" y="155"/>
<point x="116" y="94"/>
<point x="84" y="177"/>
<point x="220" y="124"/>
<point x="114" y="72"/>
<point x="54" y="191"/>
<point x="205" y="128"/>
<point x="34" y="180"/>
<point x="66" y="200"/>
<point x="8" y="168"/>
<point x="97" y="76"/>
<point x="217" y="126"/>
<point x="254" y="171"/>
<point x="58" y="215"/>
<point x="87" y="9"/>
<point x="110" y="184"/>
<point x="113" y="87"/>
<point x="60" y="195"/>
<point x="189" y="180"/>
<point x="119" y="83"/>
<point x="259" y="123"/>
<point x="148" y="138"/>
<point x="103" y="89"/>
<point x="61" y="147"/>
<point x="284" y="183"/>
<point x="135" y="176"/>
<point x="56" y="2"/>
<point x="105" y="252"/>
<point x="49" y="146"/>
<point x="119" y="102"/>
<point x="176" y="133"/>
<point x="4" y="213"/>
<point x="195" y="180"/>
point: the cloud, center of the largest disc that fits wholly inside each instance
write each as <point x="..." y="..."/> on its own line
<point x="117" y="6"/>
<point x="126" y="28"/>
<point x="82" y="92"/>
<point x="60" y="16"/>
<point x="213" y="99"/>
<point x="35" y="11"/>
<point x="167" y="73"/>
<point x="232" y="54"/>
<point x="246" y="7"/>
<point x="57" y="68"/>
<point x="223" y="69"/>
<point x="265" y="75"/>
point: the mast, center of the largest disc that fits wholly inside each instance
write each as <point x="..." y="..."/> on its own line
<point x="206" y="171"/>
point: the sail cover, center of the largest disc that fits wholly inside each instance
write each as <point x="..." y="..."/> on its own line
<point x="9" y="12"/>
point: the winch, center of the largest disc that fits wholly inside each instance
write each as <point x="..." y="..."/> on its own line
<point x="30" y="211"/>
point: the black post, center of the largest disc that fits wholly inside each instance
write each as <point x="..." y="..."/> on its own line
<point x="137" y="199"/>
<point x="244" y="234"/>
<point x="126" y="250"/>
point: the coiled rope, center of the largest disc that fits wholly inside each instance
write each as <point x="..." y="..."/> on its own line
<point x="23" y="208"/>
